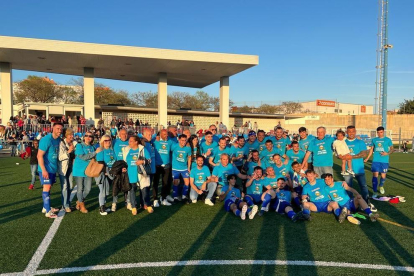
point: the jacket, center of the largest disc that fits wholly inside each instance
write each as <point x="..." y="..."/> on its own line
<point x="121" y="180"/>
<point x="65" y="158"/>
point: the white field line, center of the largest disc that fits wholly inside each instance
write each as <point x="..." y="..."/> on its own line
<point x="47" y="240"/>
<point x="225" y="262"/>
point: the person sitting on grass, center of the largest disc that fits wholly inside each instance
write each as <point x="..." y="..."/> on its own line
<point x="232" y="200"/>
<point x="201" y="182"/>
<point x="282" y="205"/>
<point x="316" y="199"/>
<point x="337" y="191"/>
<point x="255" y="187"/>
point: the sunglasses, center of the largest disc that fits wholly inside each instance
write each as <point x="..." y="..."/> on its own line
<point x="107" y="140"/>
<point x="214" y="129"/>
<point x="90" y="136"/>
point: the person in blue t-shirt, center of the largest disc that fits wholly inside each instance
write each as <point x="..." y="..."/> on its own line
<point x="218" y="151"/>
<point x="104" y="180"/>
<point x="282" y="203"/>
<point x="195" y="149"/>
<point x="223" y="170"/>
<point x="114" y="131"/>
<point x="232" y="200"/>
<point x="295" y="154"/>
<point x="253" y="160"/>
<point x="84" y="153"/>
<point x="252" y="143"/>
<point x="304" y="142"/>
<point x="298" y="181"/>
<point x="281" y="169"/>
<point x="255" y="186"/>
<point x="261" y="140"/>
<point x="239" y="152"/>
<point x="280" y="143"/>
<point x="382" y="147"/>
<point x="266" y="155"/>
<point x="163" y="148"/>
<point x="321" y="149"/>
<point x="337" y="191"/>
<point x="120" y="143"/>
<point x="137" y="155"/>
<point x="181" y="165"/>
<point x="358" y="151"/>
<point x="207" y="146"/>
<point x="202" y="182"/>
<point x="316" y="199"/>
<point x="47" y="157"/>
<point x="146" y="142"/>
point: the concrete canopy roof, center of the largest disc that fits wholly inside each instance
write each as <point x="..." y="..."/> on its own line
<point x="183" y="68"/>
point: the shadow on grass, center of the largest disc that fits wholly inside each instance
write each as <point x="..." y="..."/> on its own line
<point x="202" y="239"/>
<point x="387" y="245"/>
<point x="136" y="230"/>
<point x="14" y="184"/>
<point x="26" y="200"/>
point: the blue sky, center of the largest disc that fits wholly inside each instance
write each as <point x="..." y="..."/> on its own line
<point x="323" y="49"/>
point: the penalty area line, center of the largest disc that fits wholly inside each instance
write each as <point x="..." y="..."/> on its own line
<point x="224" y="262"/>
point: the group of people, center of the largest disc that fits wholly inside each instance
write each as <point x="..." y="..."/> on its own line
<point x="251" y="174"/>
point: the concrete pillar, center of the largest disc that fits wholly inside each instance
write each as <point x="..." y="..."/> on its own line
<point x="162" y="100"/>
<point x="224" y="101"/>
<point x="89" y="93"/>
<point x="47" y="112"/>
<point x="6" y="92"/>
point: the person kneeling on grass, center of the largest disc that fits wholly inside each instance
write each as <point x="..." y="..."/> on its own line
<point x="282" y="204"/>
<point x="201" y="182"/>
<point x="232" y="200"/>
<point x="319" y="199"/>
<point x="337" y="191"/>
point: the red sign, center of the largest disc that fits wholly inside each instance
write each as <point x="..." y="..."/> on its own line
<point x="363" y="109"/>
<point x="325" y="103"/>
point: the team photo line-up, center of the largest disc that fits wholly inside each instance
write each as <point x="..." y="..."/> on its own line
<point x="273" y="172"/>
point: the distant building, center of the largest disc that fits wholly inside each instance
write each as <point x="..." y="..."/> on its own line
<point x="328" y="106"/>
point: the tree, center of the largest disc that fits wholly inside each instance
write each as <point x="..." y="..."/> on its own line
<point x="106" y="95"/>
<point x="37" y="89"/>
<point x="243" y="109"/>
<point x="406" y="107"/>
<point x="145" y="98"/>
<point x="70" y="96"/>
<point x="269" y="109"/>
<point x="291" y="107"/>
<point x="177" y="100"/>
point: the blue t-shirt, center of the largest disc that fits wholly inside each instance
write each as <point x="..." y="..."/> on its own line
<point x="284" y="194"/>
<point x="118" y="146"/>
<point x="250" y="167"/>
<point x="217" y="152"/>
<point x="338" y="193"/>
<point x="261" y="145"/>
<point x="280" y="145"/>
<point x="200" y="175"/>
<point x="316" y="192"/>
<point x="222" y="173"/>
<point x="304" y="144"/>
<point x="131" y="158"/>
<point x="204" y="148"/>
<point x="113" y="131"/>
<point x="162" y="152"/>
<point x="107" y="156"/>
<point x="79" y="165"/>
<point x="233" y="193"/>
<point x="180" y="157"/>
<point x="239" y="153"/>
<point x="355" y="147"/>
<point x="150" y="148"/>
<point x="296" y="156"/>
<point x="283" y="170"/>
<point x="267" y="156"/>
<point x="257" y="187"/>
<point x="51" y="148"/>
<point x="252" y="146"/>
<point x="381" y="145"/>
<point x="322" y="152"/>
<point x="272" y="182"/>
<point x="194" y="157"/>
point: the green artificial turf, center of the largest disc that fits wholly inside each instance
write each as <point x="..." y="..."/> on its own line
<point x="200" y="232"/>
